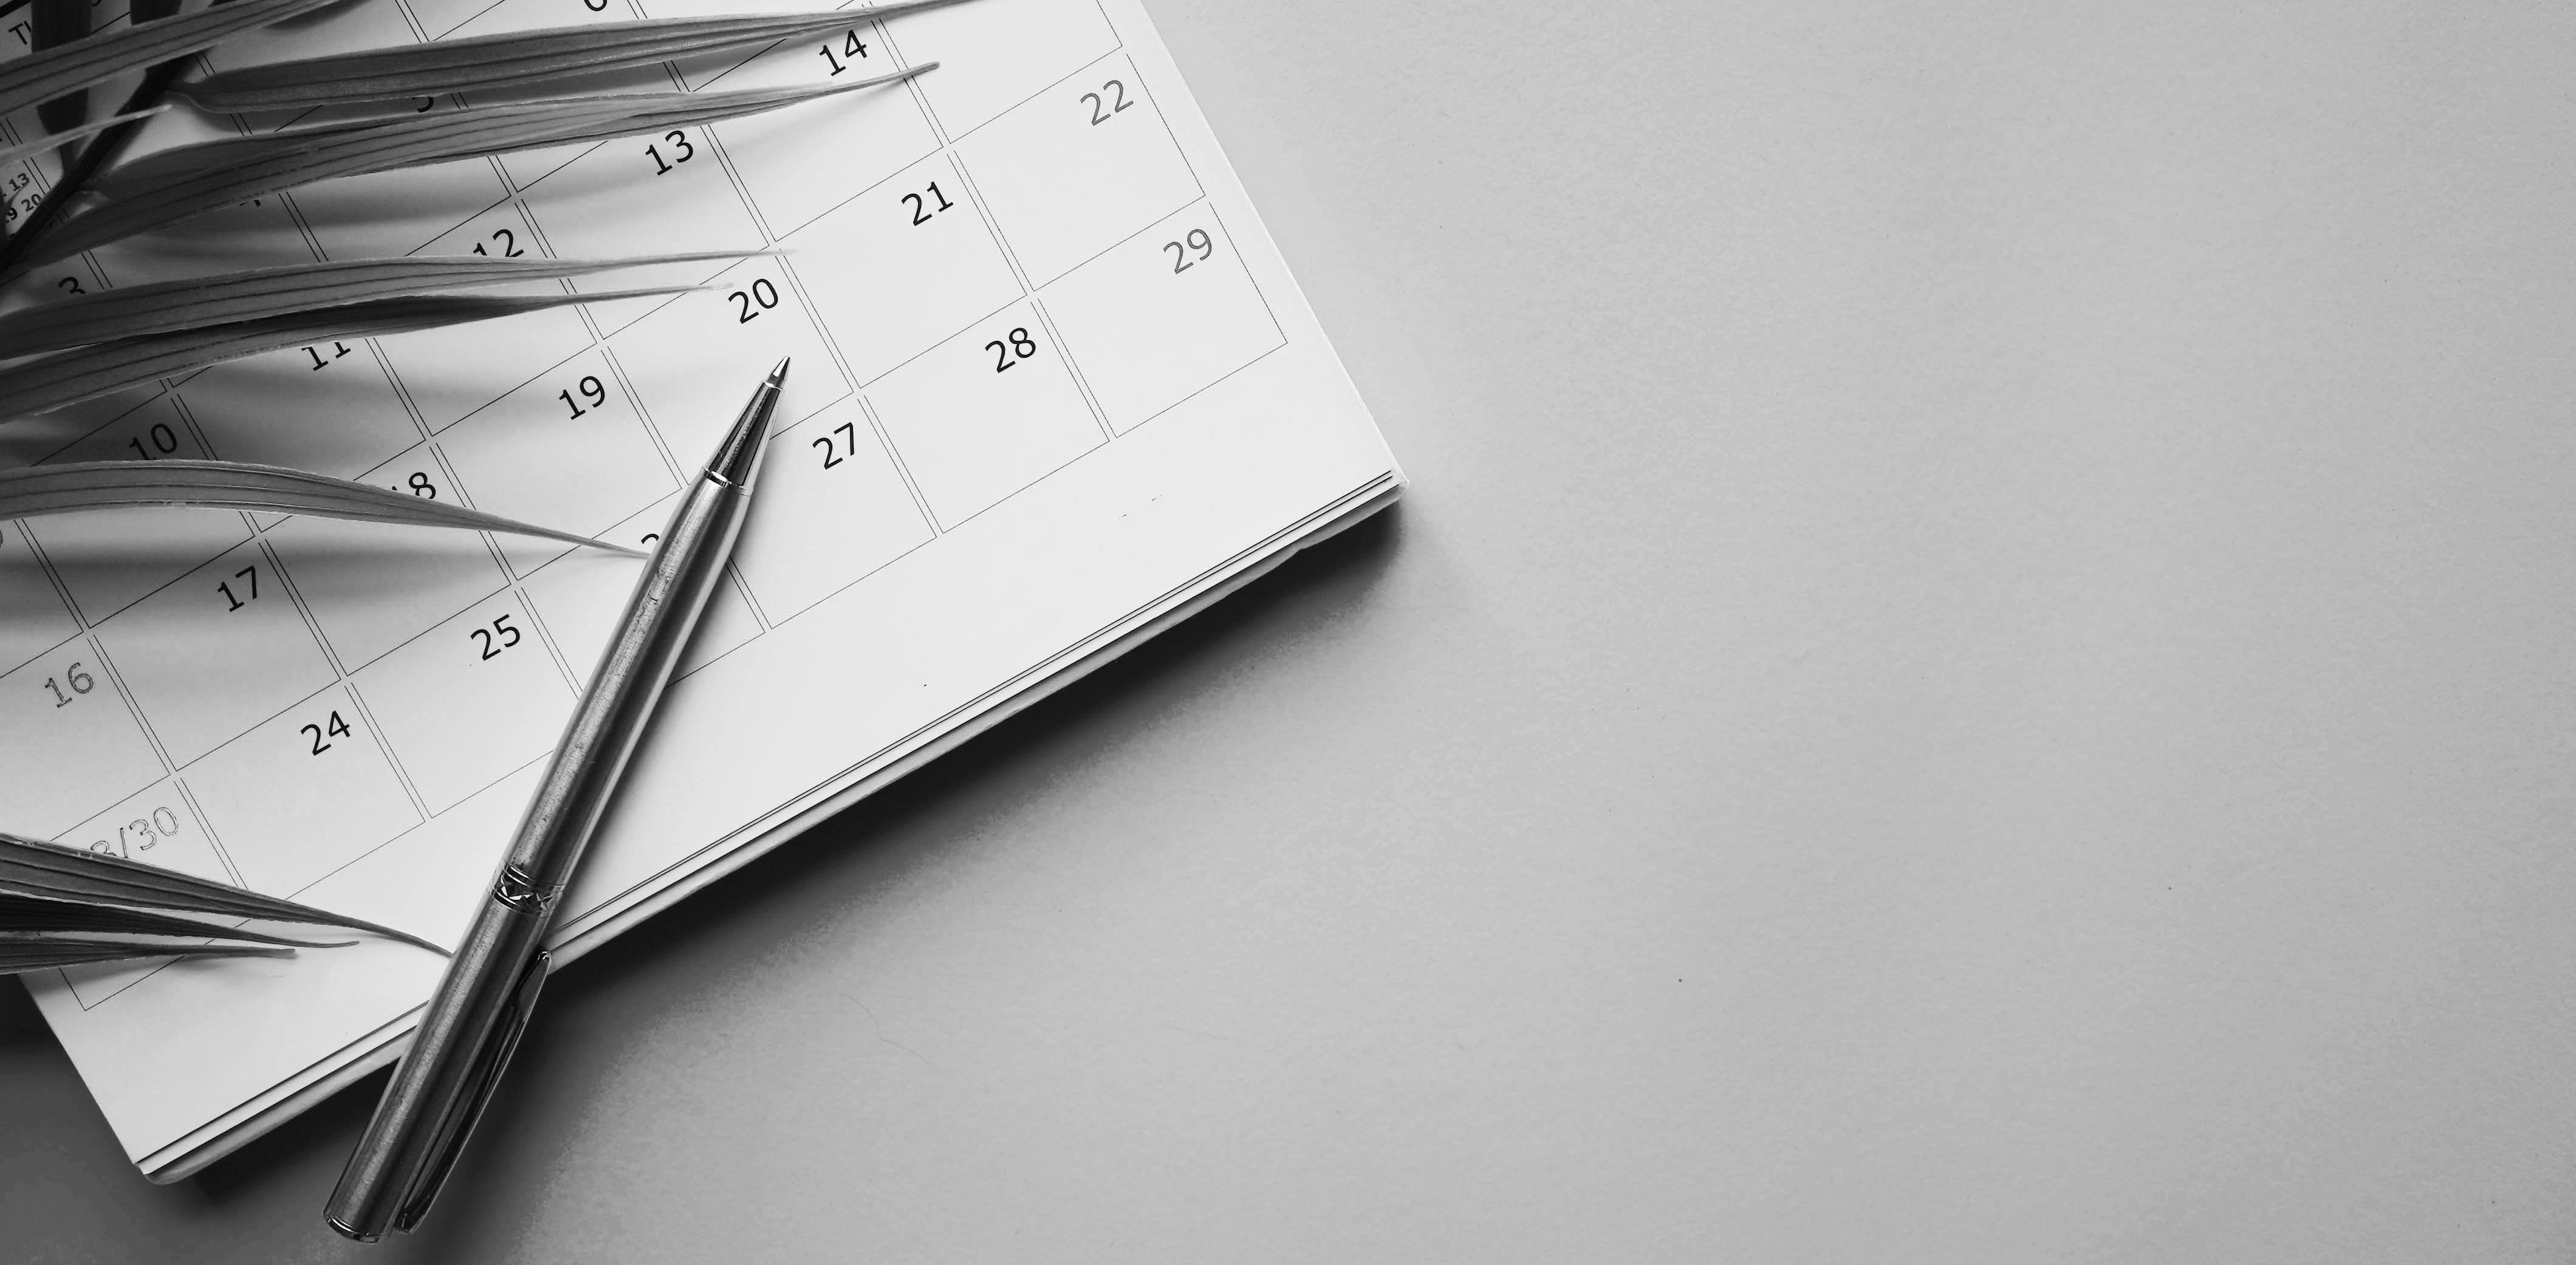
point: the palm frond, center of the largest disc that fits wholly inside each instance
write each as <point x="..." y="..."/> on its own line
<point x="53" y="24"/>
<point x="29" y="867"/>
<point x="266" y="293"/>
<point x="21" y="954"/>
<point x="71" y="917"/>
<point x="32" y="148"/>
<point x="504" y="63"/>
<point x="238" y="485"/>
<point x="85" y="373"/>
<point x="182" y="183"/>
<point x="66" y="67"/>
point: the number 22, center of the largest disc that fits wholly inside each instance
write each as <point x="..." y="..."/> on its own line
<point x="1101" y="107"/>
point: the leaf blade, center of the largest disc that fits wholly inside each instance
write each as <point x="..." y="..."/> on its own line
<point x="34" y="915"/>
<point x="180" y="184"/>
<point x="83" y="132"/>
<point x="266" y="293"/>
<point x="68" y="377"/>
<point x="519" y="60"/>
<point x="20" y="957"/>
<point x="176" y="483"/>
<point x="30" y="867"/>
<point x="69" y="67"/>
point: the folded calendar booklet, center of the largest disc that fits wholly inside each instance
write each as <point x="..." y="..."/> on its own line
<point x="1053" y="390"/>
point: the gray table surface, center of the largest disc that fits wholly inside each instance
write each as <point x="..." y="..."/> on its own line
<point x="1979" y="670"/>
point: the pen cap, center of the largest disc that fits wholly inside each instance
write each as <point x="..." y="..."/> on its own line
<point x="737" y="459"/>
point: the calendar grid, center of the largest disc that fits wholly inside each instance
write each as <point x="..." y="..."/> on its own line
<point x="944" y="260"/>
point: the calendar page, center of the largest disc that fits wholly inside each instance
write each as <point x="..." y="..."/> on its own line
<point x="1052" y="388"/>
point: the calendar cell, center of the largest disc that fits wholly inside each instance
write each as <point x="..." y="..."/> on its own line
<point x="501" y="232"/>
<point x="831" y="510"/>
<point x="374" y="586"/>
<point x="586" y="211"/>
<point x="392" y="213"/>
<point x="728" y="8"/>
<point x="33" y="618"/>
<point x="111" y="558"/>
<point x="789" y="180"/>
<point x="565" y="451"/>
<point x="19" y="193"/>
<point x="260" y="233"/>
<point x="156" y="827"/>
<point x="443" y="18"/>
<point x="59" y="279"/>
<point x="159" y="828"/>
<point x="581" y="595"/>
<point x="695" y="361"/>
<point x="857" y="49"/>
<point x="898" y="270"/>
<point x="985" y="414"/>
<point x="1079" y="168"/>
<point x="302" y="795"/>
<point x="450" y="373"/>
<point x="994" y="54"/>
<point x="327" y="408"/>
<point x="1162" y="317"/>
<point x="466" y="703"/>
<point x="215" y="653"/>
<point x="67" y="740"/>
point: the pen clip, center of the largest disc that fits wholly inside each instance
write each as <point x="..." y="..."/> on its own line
<point x="484" y="1078"/>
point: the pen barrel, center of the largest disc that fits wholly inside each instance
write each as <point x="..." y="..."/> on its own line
<point x="464" y="1036"/>
<point x="602" y="734"/>
<point x="472" y="1021"/>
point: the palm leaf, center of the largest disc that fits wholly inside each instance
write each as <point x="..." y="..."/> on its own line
<point x="262" y="294"/>
<point x="504" y="63"/>
<point x="37" y="915"/>
<point x="179" y="184"/>
<point x="54" y="872"/>
<point x="75" y="64"/>
<point x="239" y="485"/>
<point x="68" y="377"/>
<point x="55" y="23"/>
<point x="83" y="132"/>
<point x="20" y="955"/>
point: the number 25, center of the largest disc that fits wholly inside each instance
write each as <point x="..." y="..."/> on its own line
<point x="508" y="636"/>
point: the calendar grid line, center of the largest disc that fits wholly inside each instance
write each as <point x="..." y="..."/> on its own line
<point x="385" y="748"/>
<point x="214" y="837"/>
<point x="920" y="503"/>
<point x="125" y="694"/>
<point x="1073" y="366"/>
<point x="1010" y="255"/>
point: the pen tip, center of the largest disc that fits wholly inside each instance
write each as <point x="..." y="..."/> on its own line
<point x="738" y="458"/>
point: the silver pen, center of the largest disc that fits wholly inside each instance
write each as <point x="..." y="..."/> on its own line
<point x="474" y="1019"/>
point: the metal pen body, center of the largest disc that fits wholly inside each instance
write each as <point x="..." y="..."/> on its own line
<point x="472" y="1022"/>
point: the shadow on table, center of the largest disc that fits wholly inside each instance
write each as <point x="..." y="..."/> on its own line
<point x="270" y="1193"/>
